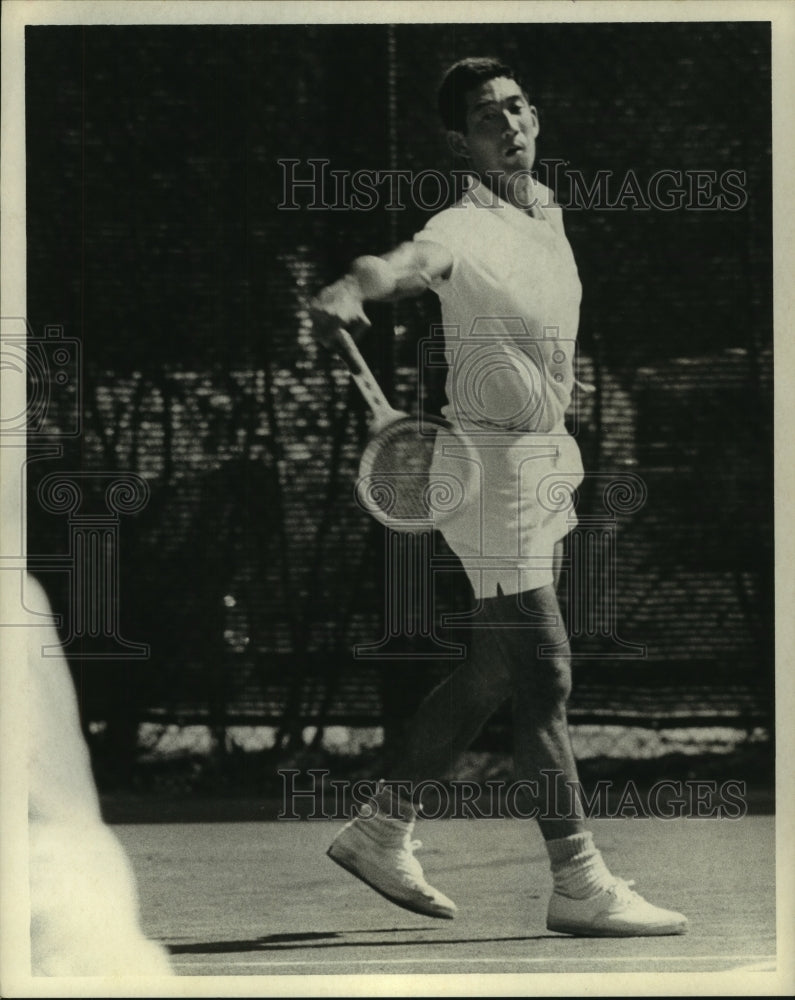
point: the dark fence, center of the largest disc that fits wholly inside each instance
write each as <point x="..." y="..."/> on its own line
<point x="161" y="242"/>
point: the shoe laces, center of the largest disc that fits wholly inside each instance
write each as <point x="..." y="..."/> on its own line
<point x="407" y="864"/>
<point x="622" y="890"/>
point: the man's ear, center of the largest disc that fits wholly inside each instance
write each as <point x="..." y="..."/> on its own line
<point x="457" y="141"/>
<point x="536" y="123"/>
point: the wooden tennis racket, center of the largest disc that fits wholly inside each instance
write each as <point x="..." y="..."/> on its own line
<point x="415" y="472"/>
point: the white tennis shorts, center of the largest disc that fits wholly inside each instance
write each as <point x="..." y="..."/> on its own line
<point x="513" y="510"/>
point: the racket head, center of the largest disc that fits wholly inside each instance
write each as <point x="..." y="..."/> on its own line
<point x="415" y="473"/>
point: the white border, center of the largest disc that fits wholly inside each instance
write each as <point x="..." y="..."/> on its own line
<point x="14" y="944"/>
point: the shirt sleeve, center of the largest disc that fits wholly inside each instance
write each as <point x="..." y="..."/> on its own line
<point x="444" y="230"/>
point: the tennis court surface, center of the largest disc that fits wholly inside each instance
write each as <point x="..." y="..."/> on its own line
<point x="262" y="899"/>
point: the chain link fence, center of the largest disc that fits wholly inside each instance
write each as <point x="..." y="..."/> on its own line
<point x="250" y="573"/>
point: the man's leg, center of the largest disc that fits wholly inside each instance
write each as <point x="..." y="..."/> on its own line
<point x="377" y="846"/>
<point x="451" y="716"/>
<point x="504" y="659"/>
<point x="587" y="899"/>
<point x="518" y="626"/>
<point x="454" y="712"/>
<point x="500" y="662"/>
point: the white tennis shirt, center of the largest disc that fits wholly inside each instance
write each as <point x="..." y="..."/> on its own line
<point x="510" y="311"/>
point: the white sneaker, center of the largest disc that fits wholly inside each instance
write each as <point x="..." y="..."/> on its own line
<point x="614" y="912"/>
<point x="380" y="852"/>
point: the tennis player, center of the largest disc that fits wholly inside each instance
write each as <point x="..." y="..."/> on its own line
<point x="504" y="272"/>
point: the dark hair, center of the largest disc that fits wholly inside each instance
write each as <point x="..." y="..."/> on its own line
<point x="462" y="77"/>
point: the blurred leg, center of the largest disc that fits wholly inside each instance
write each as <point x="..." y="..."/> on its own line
<point x="84" y="905"/>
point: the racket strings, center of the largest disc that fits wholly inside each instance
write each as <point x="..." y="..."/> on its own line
<point x="398" y="480"/>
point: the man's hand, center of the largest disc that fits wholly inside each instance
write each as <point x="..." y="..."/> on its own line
<point x="406" y="271"/>
<point x="338" y="306"/>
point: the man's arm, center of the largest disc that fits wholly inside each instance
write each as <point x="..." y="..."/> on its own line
<point x="404" y="272"/>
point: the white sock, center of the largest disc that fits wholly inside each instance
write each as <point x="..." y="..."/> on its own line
<point x="578" y="869"/>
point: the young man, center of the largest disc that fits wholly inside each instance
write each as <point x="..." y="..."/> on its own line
<point x="504" y="272"/>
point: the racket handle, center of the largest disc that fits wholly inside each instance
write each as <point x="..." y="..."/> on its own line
<point x="365" y="381"/>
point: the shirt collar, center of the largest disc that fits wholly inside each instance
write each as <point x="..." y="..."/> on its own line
<point x="484" y="197"/>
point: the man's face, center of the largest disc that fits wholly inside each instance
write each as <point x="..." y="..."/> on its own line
<point x="501" y="129"/>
